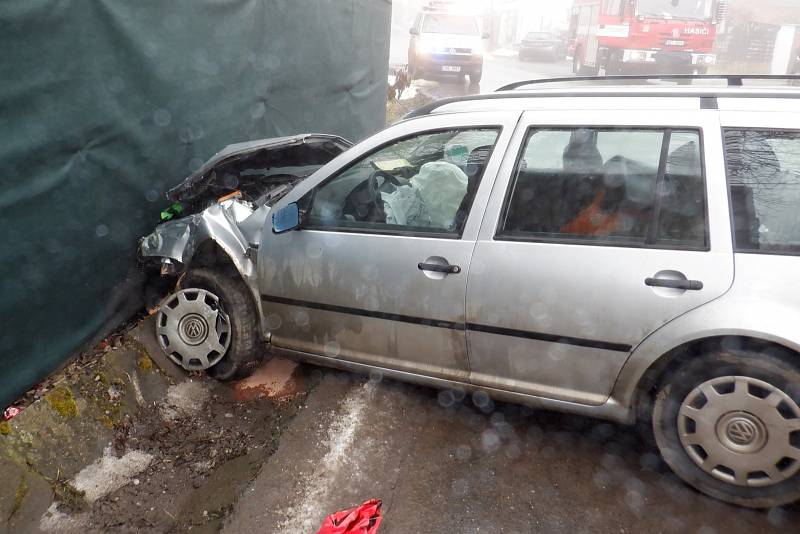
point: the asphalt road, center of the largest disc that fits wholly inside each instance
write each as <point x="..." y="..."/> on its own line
<point x="444" y="463"/>
<point x="497" y="71"/>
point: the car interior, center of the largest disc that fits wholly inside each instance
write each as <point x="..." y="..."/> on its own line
<point x="612" y="200"/>
<point x="414" y="185"/>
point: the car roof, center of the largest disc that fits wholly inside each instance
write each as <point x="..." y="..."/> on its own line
<point x="624" y="92"/>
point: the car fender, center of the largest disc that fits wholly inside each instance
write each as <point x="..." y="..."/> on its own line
<point x="232" y="224"/>
<point x="730" y="315"/>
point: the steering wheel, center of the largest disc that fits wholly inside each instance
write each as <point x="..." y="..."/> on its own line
<point x="364" y="202"/>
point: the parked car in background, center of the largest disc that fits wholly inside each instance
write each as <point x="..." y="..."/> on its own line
<point x="628" y="253"/>
<point x="446" y="42"/>
<point x="542" y="45"/>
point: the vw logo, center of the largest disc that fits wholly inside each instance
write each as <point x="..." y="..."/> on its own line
<point x="676" y="32"/>
<point x="741" y="431"/>
<point x="452" y="50"/>
<point x="193" y="329"/>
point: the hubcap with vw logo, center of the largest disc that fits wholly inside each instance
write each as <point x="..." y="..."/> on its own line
<point x="193" y="329"/>
<point x="741" y="430"/>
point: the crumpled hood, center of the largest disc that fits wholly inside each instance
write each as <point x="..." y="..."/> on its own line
<point x="293" y="151"/>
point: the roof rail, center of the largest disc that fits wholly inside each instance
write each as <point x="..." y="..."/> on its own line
<point x="734" y="80"/>
<point x="702" y="93"/>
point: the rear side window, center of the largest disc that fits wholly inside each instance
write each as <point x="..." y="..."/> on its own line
<point x="624" y="187"/>
<point x="764" y="182"/>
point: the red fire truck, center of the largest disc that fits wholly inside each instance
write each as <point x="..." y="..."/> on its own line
<point x="644" y="36"/>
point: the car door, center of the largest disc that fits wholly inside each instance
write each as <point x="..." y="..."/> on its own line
<point x="377" y="273"/>
<point x="598" y="232"/>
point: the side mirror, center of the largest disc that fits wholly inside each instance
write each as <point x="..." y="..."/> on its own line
<point x="485" y="35"/>
<point x="286" y="219"/>
<point x="413" y="31"/>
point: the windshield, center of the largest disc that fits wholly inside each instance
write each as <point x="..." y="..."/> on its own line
<point x="675" y="9"/>
<point x="458" y="24"/>
<point x="540" y="36"/>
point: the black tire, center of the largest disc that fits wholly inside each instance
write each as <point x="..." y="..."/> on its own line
<point x="614" y="65"/>
<point x="585" y="70"/>
<point x="780" y="369"/>
<point x="236" y="302"/>
<point x="580" y="69"/>
<point x="475" y="78"/>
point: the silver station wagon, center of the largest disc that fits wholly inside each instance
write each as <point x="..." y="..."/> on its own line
<point x="627" y="252"/>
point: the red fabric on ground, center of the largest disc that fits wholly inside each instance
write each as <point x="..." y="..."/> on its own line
<point x="363" y="519"/>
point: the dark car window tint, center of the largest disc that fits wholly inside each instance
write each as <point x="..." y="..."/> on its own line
<point x="764" y="182"/>
<point x="681" y="219"/>
<point x="420" y="184"/>
<point x="608" y="186"/>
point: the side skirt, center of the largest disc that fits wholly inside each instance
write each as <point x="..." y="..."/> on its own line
<point x="610" y="410"/>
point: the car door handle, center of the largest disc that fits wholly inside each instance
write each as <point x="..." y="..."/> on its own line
<point x="693" y="285"/>
<point x="435" y="267"/>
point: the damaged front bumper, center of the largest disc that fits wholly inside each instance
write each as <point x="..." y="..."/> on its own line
<point x="234" y="225"/>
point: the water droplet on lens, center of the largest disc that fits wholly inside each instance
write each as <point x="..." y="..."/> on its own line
<point x="463" y="452"/>
<point x="480" y="399"/>
<point x="332" y="349"/>
<point x="195" y="163"/>
<point x="460" y="487"/>
<point x="162" y="117"/>
<point x="446" y="398"/>
<point x="273" y="321"/>
<point x="490" y="440"/>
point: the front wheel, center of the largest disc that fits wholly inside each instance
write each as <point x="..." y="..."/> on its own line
<point x="210" y="324"/>
<point x="728" y="423"/>
<point x="580" y="69"/>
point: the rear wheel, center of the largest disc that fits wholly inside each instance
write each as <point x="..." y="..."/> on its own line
<point x="475" y="78"/>
<point x="728" y="423"/>
<point x="210" y="324"/>
<point x="614" y="65"/>
<point x="585" y="70"/>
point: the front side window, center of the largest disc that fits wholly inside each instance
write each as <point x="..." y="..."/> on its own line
<point x="627" y="187"/>
<point x="764" y="182"/>
<point x="420" y="184"/>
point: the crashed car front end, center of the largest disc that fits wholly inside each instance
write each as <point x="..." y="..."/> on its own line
<point x="227" y="201"/>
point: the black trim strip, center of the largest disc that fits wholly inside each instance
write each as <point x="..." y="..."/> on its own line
<point x="366" y="313"/>
<point x="539" y="336"/>
<point x="580" y="342"/>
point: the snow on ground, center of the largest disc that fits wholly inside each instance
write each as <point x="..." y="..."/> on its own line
<point x="183" y="399"/>
<point x="110" y="473"/>
<point x="303" y="517"/>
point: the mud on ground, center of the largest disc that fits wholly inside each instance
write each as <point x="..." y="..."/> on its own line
<point x="206" y="444"/>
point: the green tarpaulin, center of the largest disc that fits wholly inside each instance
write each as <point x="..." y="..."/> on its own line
<point x="106" y="104"/>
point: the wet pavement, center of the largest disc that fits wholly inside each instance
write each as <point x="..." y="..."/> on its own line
<point x="442" y="462"/>
<point x="497" y="71"/>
